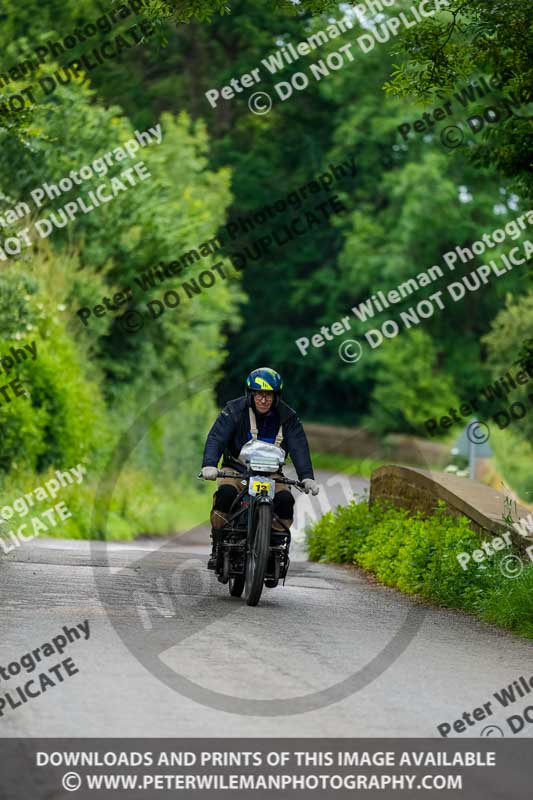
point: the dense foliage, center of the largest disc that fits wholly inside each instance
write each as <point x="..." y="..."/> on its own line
<point x="477" y="38"/>
<point x="409" y="202"/>
<point x="418" y="555"/>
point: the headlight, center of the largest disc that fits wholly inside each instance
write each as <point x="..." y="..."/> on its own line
<point x="265" y="466"/>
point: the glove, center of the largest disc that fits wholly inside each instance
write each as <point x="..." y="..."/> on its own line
<point x="312" y="485"/>
<point x="209" y="473"/>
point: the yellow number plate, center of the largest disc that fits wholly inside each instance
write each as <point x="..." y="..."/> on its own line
<point x="258" y="486"/>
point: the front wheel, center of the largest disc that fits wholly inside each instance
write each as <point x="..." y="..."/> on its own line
<point x="257" y="558"/>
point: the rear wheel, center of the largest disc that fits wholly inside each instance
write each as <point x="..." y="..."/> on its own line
<point x="257" y="558"/>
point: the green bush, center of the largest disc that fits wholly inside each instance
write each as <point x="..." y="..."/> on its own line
<point x="510" y="603"/>
<point x="401" y="404"/>
<point x="139" y="505"/>
<point x="418" y="555"/>
<point x="64" y="419"/>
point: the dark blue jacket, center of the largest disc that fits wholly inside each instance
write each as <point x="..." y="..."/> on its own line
<point x="232" y="429"/>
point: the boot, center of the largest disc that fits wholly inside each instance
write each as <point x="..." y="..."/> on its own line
<point x="211" y="564"/>
<point x="218" y="521"/>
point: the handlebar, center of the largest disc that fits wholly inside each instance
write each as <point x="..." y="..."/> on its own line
<point x="245" y="475"/>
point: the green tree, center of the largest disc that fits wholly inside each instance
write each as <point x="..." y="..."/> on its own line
<point x="409" y="386"/>
<point x="476" y="38"/>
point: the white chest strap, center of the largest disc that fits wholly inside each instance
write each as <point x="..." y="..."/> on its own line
<point x="254" y="432"/>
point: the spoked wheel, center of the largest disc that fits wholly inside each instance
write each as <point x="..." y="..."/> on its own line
<point x="236" y="585"/>
<point x="257" y="557"/>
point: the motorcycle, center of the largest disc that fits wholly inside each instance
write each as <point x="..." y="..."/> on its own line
<point x="250" y="554"/>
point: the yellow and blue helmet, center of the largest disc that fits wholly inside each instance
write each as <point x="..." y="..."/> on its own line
<point x="266" y="380"/>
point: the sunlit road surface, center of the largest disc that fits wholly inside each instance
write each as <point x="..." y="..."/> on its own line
<point x="152" y="602"/>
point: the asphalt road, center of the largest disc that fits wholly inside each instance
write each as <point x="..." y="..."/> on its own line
<point x="170" y="653"/>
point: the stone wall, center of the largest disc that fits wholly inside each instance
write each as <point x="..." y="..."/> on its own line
<point x="358" y="443"/>
<point x="420" y="490"/>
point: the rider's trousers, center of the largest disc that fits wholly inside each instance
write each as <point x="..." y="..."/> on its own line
<point x="223" y="498"/>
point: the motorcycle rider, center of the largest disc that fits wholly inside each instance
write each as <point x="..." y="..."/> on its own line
<point x="259" y="414"/>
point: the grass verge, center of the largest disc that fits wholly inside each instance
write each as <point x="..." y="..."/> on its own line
<point x="418" y="555"/>
<point x="345" y="464"/>
<point x="139" y="505"/>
